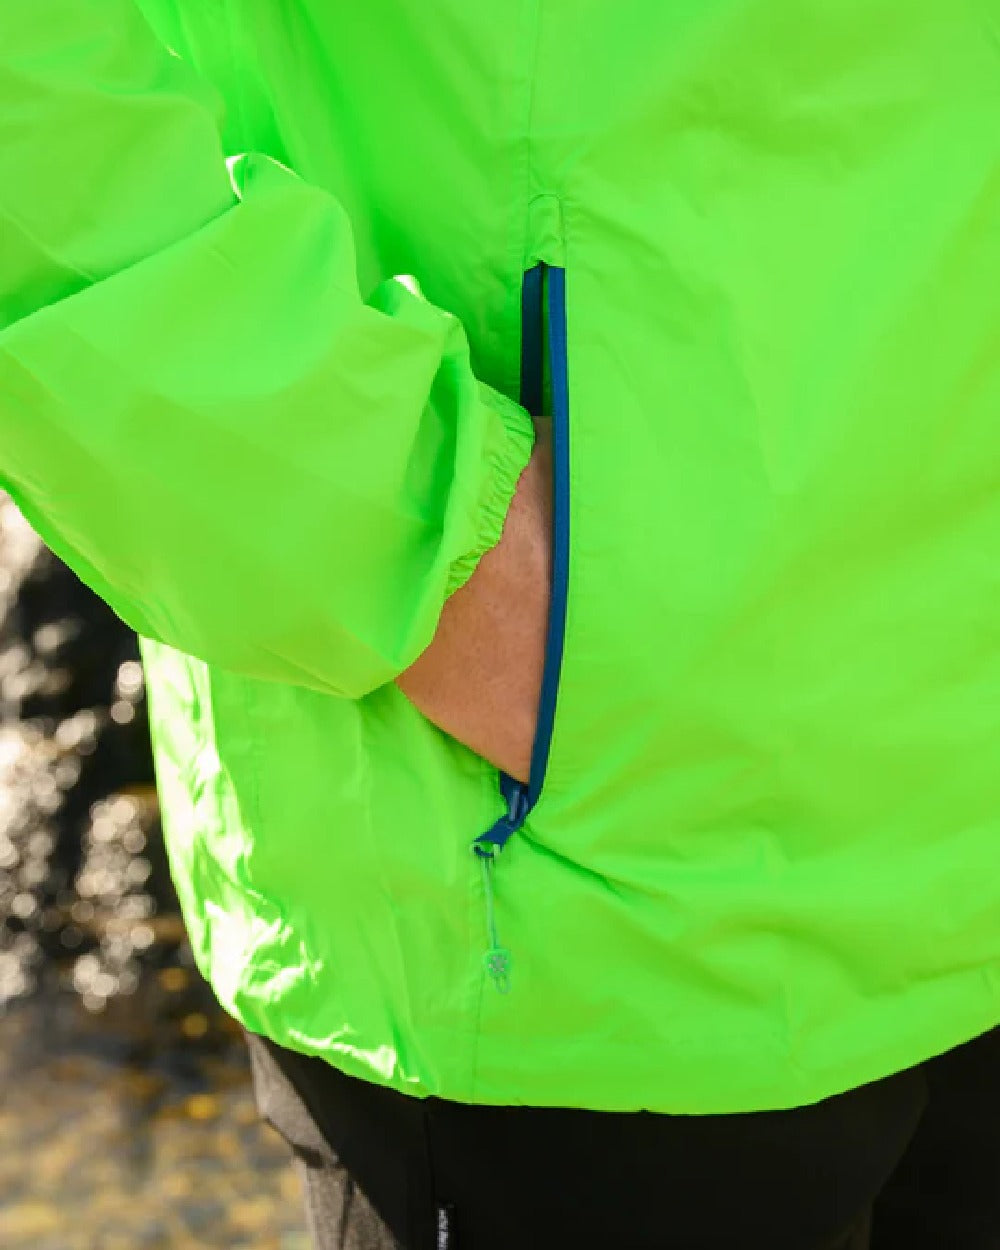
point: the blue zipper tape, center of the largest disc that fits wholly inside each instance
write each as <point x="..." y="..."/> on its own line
<point x="538" y="281"/>
<point x="521" y="798"/>
<point x="560" y="533"/>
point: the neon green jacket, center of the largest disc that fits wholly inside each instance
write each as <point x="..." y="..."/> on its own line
<point x="749" y="262"/>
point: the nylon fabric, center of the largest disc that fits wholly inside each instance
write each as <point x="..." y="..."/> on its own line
<point x="260" y="336"/>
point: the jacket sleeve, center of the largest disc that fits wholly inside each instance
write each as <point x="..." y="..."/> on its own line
<point x="198" y="411"/>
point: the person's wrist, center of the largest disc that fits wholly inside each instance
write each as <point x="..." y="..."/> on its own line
<point x="480" y="677"/>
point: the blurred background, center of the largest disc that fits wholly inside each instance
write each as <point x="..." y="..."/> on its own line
<point x="126" y="1116"/>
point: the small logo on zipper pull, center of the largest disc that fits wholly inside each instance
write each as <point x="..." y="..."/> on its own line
<point x="497" y="963"/>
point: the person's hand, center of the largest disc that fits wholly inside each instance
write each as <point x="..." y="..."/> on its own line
<point x="480" y="678"/>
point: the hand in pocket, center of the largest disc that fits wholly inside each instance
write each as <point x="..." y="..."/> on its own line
<point x="480" y="678"/>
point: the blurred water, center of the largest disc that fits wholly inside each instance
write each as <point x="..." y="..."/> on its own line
<point x="135" y="1129"/>
<point x="126" y="1115"/>
<point x="84" y="889"/>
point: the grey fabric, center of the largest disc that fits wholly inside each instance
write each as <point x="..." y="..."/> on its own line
<point x="338" y="1215"/>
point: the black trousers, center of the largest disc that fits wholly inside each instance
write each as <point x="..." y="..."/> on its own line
<point x="911" y="1162"/>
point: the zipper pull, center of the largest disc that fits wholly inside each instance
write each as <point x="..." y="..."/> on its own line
<point x="486" y="848"/>
<point x="501" y="831"/>
<point x="497" y="958"/>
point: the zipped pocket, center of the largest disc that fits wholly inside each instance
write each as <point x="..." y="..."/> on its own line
<point x="543" y="343"/>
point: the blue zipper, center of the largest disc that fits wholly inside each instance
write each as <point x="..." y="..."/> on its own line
<point x="520" y="797"/>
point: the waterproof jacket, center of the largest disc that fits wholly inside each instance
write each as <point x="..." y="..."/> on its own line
<point x="280" y="281"/>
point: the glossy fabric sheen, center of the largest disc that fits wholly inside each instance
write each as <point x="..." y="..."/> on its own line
<point x="765" y="864"/>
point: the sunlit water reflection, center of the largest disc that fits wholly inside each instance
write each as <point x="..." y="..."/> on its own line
<point x="126" y="1116"/>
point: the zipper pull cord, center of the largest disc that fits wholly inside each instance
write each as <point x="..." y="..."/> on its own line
<point x="486" y="848"/>
<point x="497" y="958"/>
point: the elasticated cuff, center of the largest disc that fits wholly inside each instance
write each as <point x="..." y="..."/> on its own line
<point x="507" y="458"/>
